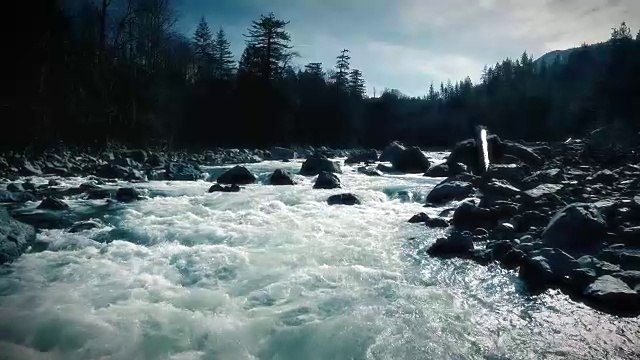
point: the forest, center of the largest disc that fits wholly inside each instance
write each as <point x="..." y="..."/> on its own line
<point x="120" y="71"/>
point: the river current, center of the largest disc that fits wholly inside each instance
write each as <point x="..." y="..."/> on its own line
<point x="273" y="272"/>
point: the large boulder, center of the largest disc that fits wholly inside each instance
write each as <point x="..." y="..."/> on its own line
<point x="513" y="173"/>
<point x="317" y="164"/>
<point x="112" y="171"/>
<point x="279" y="153"/>
<point x="16" y="197"/>
<point x="499" y="189"/>
<point x="440" y="170"/>
<point x="411" y="160"/>
<point x="182" y="172"/>
<point x="468" y="152"/>
<point x="15" y="237"/>
<point x="128" y="195"/>
<point x="238" y="175"/>
<point x="613" y="295"/>
<point x="456" y="244"/>
<point x="469" y="216"/>
<point x="523" y="153"/>
<point x="226" y="189"/>
<point x="545" y="268"/>
<point x="364" y="156"/>
<point x="344" y="199"/>
<point x="137" y="155"/>
<point x="51" y="203"/>
<point x="327" y="180"/>
<point x="391" y="151"/>
<point x="282" y="177"/>
<point x="448" y="190"/>
<point x="554" y="175"/>
<point x="576" y="227"/>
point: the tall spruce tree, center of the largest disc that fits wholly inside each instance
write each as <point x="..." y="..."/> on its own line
<point x="271" y="46"/>
<point x="356" y="84"/>
<point x="341" y="76"/>
<point x="224" y="65"/>
<point x="203" y="49"/>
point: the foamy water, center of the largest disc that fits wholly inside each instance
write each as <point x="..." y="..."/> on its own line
<point x="275" y="273"/>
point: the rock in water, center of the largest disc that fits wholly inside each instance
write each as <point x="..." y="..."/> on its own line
<point x="419" y="218"/>
<point x="390" y="152"/>
<point x="449" y="190"/>
<point x="315" y="165"/>
<point x="411" y="160"/>
<point x="128" y="195"/>
<point x="15" y="237"/>
<point x="457" y="244"/>
<point x="440" y="170"/>
<point x="238" y="175"/>
<point x="362" y="156"/>
<point x="227" y="189"/>
<point x="344" y="199"/>
<point x="281" y="177"/>
<point x="182" y="172"/>
<point x="327" y="180"/>
<point x="613" y="295"/>
<point x="576" y="227"/>
<point x="51" y="203"/>
<point x="84" y="226"/>
<point x="279" y="153"/>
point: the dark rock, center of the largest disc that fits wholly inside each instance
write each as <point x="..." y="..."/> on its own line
<point x="385" y="168"/>
<point x="54" y="182"/>
<point x="138" y="155"/>
<point x="238" y="175"/>
<point x="627" y="259"/>
<point x="512" y="173"/>
<point x="523" y="153"/>
<point x="392" y="151"/>
<point x="362" y="156"/>
<point x="84" y="226"/>
<point x="315" y="165"/>
<point x="156" y="160"/>
<point x="440" y="170"/>
<point x="15" y="237"/>
<point x="606" y="177"/>
<point x="531" y="219"/>
<point x="29" y="186"/>
<point x="128" y="195"/>
<point x="469" y="216"/>
<point x="419" y="218"/>
<point x="111" y="171"/>
<point x="221" y="188"/>
<point x="99" y="194"/>
<point x="411" y="160"/>
<point x="437" y="223"/>
<point x="576" y="227"/>
<point x="630" y="277"/>
<point x="16" y="197"/>
<point x="14" y="187"/>
<point x="51" y="203"/>
<point x="182" y="172"/>
<point x="500" y="189"/>
<point x="344" y="199"/>
<point x="598" y="266"/>
<point x="612" y="295"/>
<point x="369" y="171"/>
<point x="449" y="190"/>
<point x="544" y="191"/>
<point x="279" y="153"/>
<point x="543" y="177"/>
<point x="499" y="249"/>
<point x="545" y="268"/>
<point x="456" y="244"/>
<point x="327" y="180"/>
<point x="282" y="177"/>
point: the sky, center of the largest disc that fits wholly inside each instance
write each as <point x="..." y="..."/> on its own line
<point x="407" y="44"/>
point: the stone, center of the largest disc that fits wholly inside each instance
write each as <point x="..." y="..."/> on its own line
<point x="456" y="244"/>
<point x="111" y="171"/>
<point x="499" y="189"/>
<point x="554" y="175"/>
<point x="238" y="175"/>
<point x="315" y="165"/>
<point x="600" y="267"/>
<point x="523" y="153"/>
<point x="612" y="295"/>
<point x="627" y="259"/>
<point x="364" y="156"/>
<point x="128" y="195"/>
<point x="344" y="199"/>
<point x="16" y="197"/>
<point x="281" y="177"/>
<point x="411" y="160"/>
<point x="327" y="180"/>
<point x="14" y="187"/>
<point x="98" y="194"/>
<point x="51" y="203"/>
<point x="419" y="218"/>
<point x="392" y="151"/>
<point x="221" y="188"/>
<point x="512" y="173"/>
<point x="576" y="227"/>
<point x="544" y="191"/>
<point x="546" y="268"/>
<point x="449" y="190"/>
<point x="279" y="153"/>
<point x="15" y="237"/>
<point x="178" y="171"/>
<point x="440" y="170"/>
<point x="630" y="277"/>
<point x="469" y="216"/>
<point x="84" y="226"/>
<point x="437" y="223"/>
<point x="369" y="171"/>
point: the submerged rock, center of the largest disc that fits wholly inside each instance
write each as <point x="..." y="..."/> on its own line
<point x="15" y="237"/>
<point x="221" y="188"/>
<point x="327" y="180"/>
<point x="238" y="175"/>
<point x="344" y="199"/>
<point x="84" y="226"/>
<point x="128" y="195"/>
<point x="419" y="218"/>
<point x="281" y="177"/>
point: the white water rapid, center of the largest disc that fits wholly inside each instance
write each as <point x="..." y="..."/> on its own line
<point x="276" y="273"/>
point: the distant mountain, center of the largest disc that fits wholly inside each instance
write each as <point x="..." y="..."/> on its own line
<point x="598" y="50"/>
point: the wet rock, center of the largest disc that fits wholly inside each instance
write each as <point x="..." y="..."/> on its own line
<point x="111" y="171"/>
<point x="364" y="156"/>
<point x="392" y="151"/>
<point x="14" y="187"/>
<point x="419" y="218"/>
<point x="385" y="168"/>
<point x="469" y="216"/>
<point x="29" y="186"/>
<point x="440" y="170"/>
<point x="500" y="189"/>
<point x="523" y="153"/>
<point x="627" y="259"/>
<point x="137" y="155"/>
<point x="613" y="295"/>
<point x="344" y="199"/>
<point x="456" y="244"/>
<point x="156" y="160"/>
<point x="630" y="277"/>
<point x="449" y="190"/>
<point x="598" y="266"/>
<point x="99" y="194"/>
<point x="227" y="189"/>
<point x="512" y="173"/>
<point x="315" y="165"/>
<point x="546" y="268"/>
<point x="84" y="226"/>
<point x="544" y="191"/>
<point x="54" y="182"/>
<point x="128" y="195"/>
<point x="238" y="175"/>
<point x="369" y="171"/>
<point x="279" y="153"/>
<point x="437" y="223"/>
<point x="282" y="177"/>
<point x="16" y="197"/>
<point x="606" y="177"/>
<point x="577" y="227"/>
<point x="177" y="171"/>
<point x="15" y="237"/>
<point x="411" y="160"/>
<point x="327" y="180"/>
<point x="51" y="203"/>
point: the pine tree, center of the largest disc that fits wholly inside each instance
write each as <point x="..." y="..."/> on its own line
<point x="271" y="45"/>
<point x="203" y="48"/>
<point x="224" y="65"/>
<point x="433" y="95"/>
<point x="623" y="32"/>
<point x="342" y="70"/>
<point x="638" y="36"/>
<point x="356" y="84"/>
<point x="314" y="69"/>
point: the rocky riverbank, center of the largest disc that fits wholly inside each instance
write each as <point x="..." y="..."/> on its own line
<point x="564" y="216"/>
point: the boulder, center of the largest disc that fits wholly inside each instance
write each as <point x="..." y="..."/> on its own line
<point x="221" y="188"/>
<point x="456" y="244"/>
<point x="327" y="180"/>
<point x="15" y="237"/>
<point x="315" y="165"/>
<point x="411" y="160"/>
<point x="29" y="186"/>
<point x="369" y="171"/>
<point x="613" y="295"/>
<point x="440" y="170"/>
<point x="16" y="197"/>
<point x="576" y="227"/>
<point x="279" y="153"/>
<point x="554" y="175"/>
<point x="156" y="160"/>
<point x="544" y="191"/>
<point x="419" y="218"/>
<point x="627" y="259"/>
<point x="14" y="187"/>
<point x="111" y="171"/>
<point x="81" y="226"/>
<point x="128" y="195"/>
<point x="137" y="155"/>
<point x="437" y="223"/>
<point x="469" y="216"/>
<point x="545" y="268"/>
<point x="606" y="177"/>
<point x="630" y="277"/>
<point x="523" y="153"/>
<point x="238" y="175"/>
<point x="98" y="194"/>
<point x="449" y="190"/>
<point x="281" y="177"/>
<point x="499" y="189"/>
<point x="51" y="203"/>
<point x="182" y="172"/>
<point x="344" y="199"/>
<point x="600" y="267"/>
<point x="512" y="173"/>
<point x="391" y="151"/>
<point x="364" y="156"/>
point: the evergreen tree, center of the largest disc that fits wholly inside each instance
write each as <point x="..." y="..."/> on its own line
<point x="224" y="64"/>
<point x="623" y="32"/>
<point x="342" y="70"/>
<point x="638" y="36"/>
<point x="314" y="69"/>
<point x="356" y="84"/>
<point x="433" y="95"/>
<point x="203" y="48"/>
<point x="270" y="43"/>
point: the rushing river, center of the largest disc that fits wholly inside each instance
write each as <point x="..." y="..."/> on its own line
<point x="275" y="273"/>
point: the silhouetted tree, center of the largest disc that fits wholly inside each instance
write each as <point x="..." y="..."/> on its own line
<point x="224" y="64"/>
<point x="356" y="84"/>
<point x="204" y="47"/>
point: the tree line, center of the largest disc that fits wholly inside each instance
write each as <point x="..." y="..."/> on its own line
<point x="118" y="70"/>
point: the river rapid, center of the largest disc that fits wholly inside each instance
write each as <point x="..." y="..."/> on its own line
<point x="273" y="272"/>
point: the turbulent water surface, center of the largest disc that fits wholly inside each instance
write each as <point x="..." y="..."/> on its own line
<point x="275" y="273"/>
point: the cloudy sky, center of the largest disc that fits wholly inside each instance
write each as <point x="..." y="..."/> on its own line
<point x="407" y="44"/>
